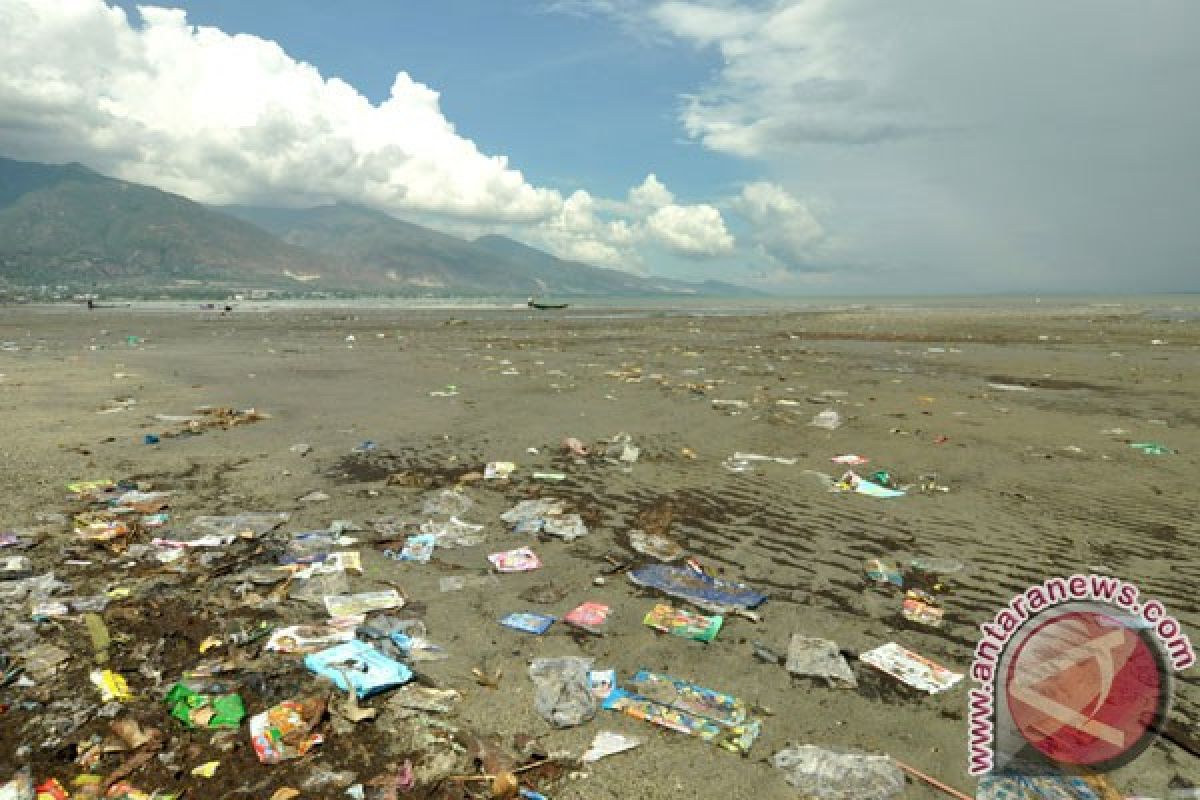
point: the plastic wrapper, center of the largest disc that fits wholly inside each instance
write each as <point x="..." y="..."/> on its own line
<point x="568" y="527"/>
<point x="520" y="560"/>
<point x="453" y="532"/>
<point x="358" y="665"/>
<point x="284" y="731"/>
<point x="683" y="623"/>
<point x="819" y="658"/>
<point x="590" y="617"/>
<point x="830" y="775"/>
<point x="687" y="708"/>
<point x="911" y="669"/>
<point x="528" y="622"/>
<point x="562" y="691"/>
<point x="349" y="605"/>
<point x="703" y="591"/>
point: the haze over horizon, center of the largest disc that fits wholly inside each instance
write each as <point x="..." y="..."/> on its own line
<point x="796" y="146"/>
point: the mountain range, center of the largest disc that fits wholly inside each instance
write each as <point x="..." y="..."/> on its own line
<point x="69" y="225"/>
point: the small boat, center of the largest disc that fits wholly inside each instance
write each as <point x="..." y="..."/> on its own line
<point x="544" y="306"/>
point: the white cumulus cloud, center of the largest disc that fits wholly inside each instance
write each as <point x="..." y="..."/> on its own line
<point x="233" y="118"/>
<point x="695" y="230"/>
<point x="784" y="228"/>
<point x="651" y="193"/>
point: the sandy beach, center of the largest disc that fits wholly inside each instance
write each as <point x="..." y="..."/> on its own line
<point x="1025" y="418"/>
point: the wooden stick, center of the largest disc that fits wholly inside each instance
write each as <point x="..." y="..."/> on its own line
<point x="517" y="771"/>
<point x="934" y="782"/>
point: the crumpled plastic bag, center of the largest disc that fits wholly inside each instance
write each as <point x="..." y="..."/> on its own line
<point x="832" y="775"/>
<point x="809" y="657"/>
<point x="562" y="691"/>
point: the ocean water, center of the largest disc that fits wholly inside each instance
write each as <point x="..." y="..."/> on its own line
<point x="1166" y="307"/>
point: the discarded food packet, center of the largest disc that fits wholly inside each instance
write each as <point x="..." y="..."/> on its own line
<point x="911" y="669"/>
<point x="607" y="743"/>
<point x="588" y="616"/>
<point x="496" y="470"/>
<point x="883" y="572"/>
<point x="703" y="591"/>
<point x="809" y="657"/>
<point x="368" y="670"/>
<point x="829" y="775"/>
<point x="920" y="608"/>
<point x="528" y="621"/>
<point x="602" y="682"/>
<point x="284" y="731"/>
<point x="418" y="548"/>
<point x="850" y="459"/>
<point x="350" y="605"/>
<point x="687" y="708"/>
<point x="307" y="638"/>
<point x="197" y="710"/>
<point x="520" y="560"/>
<point x="683" y="623"/>
<point x="856" y="483"/>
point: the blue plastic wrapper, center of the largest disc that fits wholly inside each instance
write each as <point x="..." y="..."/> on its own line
<point x="368" y="670"/>
<point x="697" y="588"/>
<point x="528" y="622"/>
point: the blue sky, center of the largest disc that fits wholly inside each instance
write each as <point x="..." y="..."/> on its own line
<point x="802" y="146"/>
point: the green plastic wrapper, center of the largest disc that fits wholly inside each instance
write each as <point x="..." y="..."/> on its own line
<point x="197" y="710"/>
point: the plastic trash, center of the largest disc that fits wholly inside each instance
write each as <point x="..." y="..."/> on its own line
<point x="828" y="419"/>
<point x="1152" y="448"/>
<point x="683" y="623"/>
<point x="197" y="710"/>
<point x="655" y="546"/>
<point x="832" y="775"/>
<point x="528" y="622"/>
<point x="562" y="691"/>
<point x="529" y="516"/>
<point x="520" y="560"/>
<point x="453" y="532"/>
<point x="809" y="657"/>
<point x="497" y="470"/>
<point x="911" y="669"/>
<point x="853" y="482"/>
<point x="568" y="528"/>
<point x="350" y="605"/>
<point x="687" y="708"/>
<point x="284" y="731"/>
<point x="703" y="591"/>
<point x="608" y="743"/>
<point x="367" y="670"/>
<point x="590" y="617"/>
<point x="883" y="572"/>
<point x="1047" y="786"/>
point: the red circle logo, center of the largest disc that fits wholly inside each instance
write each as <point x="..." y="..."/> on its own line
<point x="1086" y="688"/>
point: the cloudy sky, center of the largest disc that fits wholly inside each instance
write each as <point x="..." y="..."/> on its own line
<point x="804" y="146"/>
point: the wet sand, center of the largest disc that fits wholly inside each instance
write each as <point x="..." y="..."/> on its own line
<point x="1039" y="485"/>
